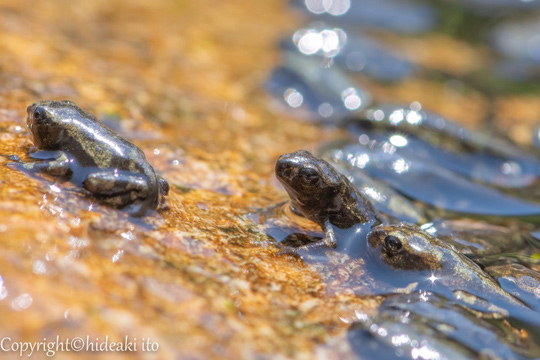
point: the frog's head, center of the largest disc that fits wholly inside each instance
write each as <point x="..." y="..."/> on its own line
<point x="48" y="120"/>
<point x="311" y="182"/>
<point x="405" y="247"/>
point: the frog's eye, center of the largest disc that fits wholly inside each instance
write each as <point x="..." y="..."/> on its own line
<point x="39" y="114"/>
<point x="392" y="244"/>
<point x="309" y="175"/>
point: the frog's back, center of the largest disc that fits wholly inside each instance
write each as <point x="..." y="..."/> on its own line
<point x="93" y="144"/>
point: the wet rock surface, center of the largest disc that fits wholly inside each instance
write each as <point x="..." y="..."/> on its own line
<point x="187" y="83"/>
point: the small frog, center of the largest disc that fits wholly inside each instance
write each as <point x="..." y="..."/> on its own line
<point x="403" y="254"/>
<point x="73" y="145"/>
<point x="323" y="195"/>
<point x="519" y="281"/>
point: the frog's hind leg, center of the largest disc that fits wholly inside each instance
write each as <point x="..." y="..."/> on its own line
<point x="119" y="190"/>
<point x="123" y="186"/>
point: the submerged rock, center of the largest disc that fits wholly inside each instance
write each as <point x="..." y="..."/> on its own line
<point x="521" y="282"/>
<point x="351" y="51"/>
<point x="426" y="325"/>
<point x="313" y="92"/>
<point x="429" y="182"/>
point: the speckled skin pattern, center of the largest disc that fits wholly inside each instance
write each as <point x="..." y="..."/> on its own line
<point x="75" y="146"/>
<point x="322" y="194"/>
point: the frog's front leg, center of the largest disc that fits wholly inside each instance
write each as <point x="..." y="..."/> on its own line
<point x="117" y="185"/>
<point x="298" y="251"/>
<point x="57" y="167"/>
<point x="329" y="235"/>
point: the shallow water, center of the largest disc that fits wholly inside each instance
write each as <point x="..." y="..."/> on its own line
<point x="429" y="326"/>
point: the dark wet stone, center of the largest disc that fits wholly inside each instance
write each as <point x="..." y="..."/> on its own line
<point x="497" y="7"/>
<point x="359" y="54"/>
<point x="425" y="135"/>
<point x="314" y="92"/>
<point x="518" y="40"/>
<point x="429" y="182"/>
<point x="476" y="238"/>
<point x="536" y="137"/>
<point x="517" y="71"/>
<point x="521" y="282"/>
<point x="425" y="325"/>
<point x="398" y="16"/>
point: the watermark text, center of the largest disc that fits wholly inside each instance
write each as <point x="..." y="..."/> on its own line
<point x="50" y="347"/>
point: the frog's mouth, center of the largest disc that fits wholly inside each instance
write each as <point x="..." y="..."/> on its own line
<point x="30" y="123"/>
<point x="286" y="175"/>
<point x="297" y="198"/>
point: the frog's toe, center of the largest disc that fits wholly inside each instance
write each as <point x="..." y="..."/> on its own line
<point x="162" y="205"/>
<point x="14" y="165"/>
<point x="286" y="250"/>
<point x="124" y="202"/>
<point x="163" y="186"/>
<point x="136" y="209"/>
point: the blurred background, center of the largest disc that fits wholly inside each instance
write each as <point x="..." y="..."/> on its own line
<point x="214" y="92"/>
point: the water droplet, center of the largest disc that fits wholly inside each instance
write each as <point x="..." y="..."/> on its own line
<point x="22" y="302"/>
<point x="293" y="98"/>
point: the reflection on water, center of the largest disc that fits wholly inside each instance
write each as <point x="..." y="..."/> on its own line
<point x="316" y="93"/>
<point x="519" y="281"/>
<point x="359" y="53"/>
<point x="426" y="180"/>
<point x="399" y="16"/>
<point x="327" y="42"/>
<point x="424" y="325"/>
<point x="433" y="138"/>
<point x="519" y="40"/>
<point x="488" y="6"/>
